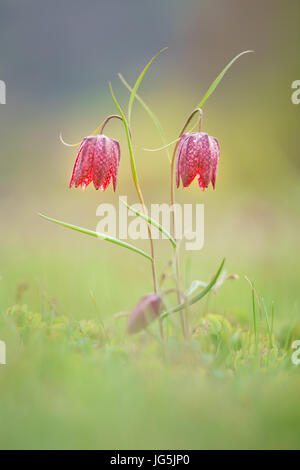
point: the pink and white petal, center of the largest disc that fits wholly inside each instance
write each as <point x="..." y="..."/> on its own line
<point x="188" y="166"/>
<point x="84" y="164"/>
<point x="215" y="159"/>
<point x="101" y="166"/>
<point x="146" y="310"/>
<point x="178" y="155"/>
<point x="76" y="163"/>
<point x="205" y="162"/>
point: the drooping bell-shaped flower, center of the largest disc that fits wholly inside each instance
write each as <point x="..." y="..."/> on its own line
<point x="98" y="161"/>
<point x="146" y="310"/>
<point x="197" y="155"/>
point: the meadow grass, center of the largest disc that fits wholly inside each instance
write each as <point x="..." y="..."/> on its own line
<point x="74" y="379"/>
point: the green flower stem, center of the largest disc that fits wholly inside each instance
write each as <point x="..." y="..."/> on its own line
<point x="151" y="115"/>
<point x="152" y="222"/>
<point x="101" y="128"/>
<point x="183" y="317"/>
<point x="136" y="183"/>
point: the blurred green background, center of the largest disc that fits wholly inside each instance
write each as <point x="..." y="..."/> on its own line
<point x="57" y="59"/>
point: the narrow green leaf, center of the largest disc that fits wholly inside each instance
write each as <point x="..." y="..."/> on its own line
<point x="288" y="338"/>
<point x="194" y="286"/>
<point x="152" y="222"/>
<point x="78" y="143"/>
<point x="198" y="296"/>
<point x="267" y="322"/>
<point x="206" y="96"/>
<point x="216" y="82"/>
<point x="127" y="135"/>
<point x="98" y="235"/>
<point x="66" y="143"/>
<point x="138" y="82"/>
<point x="151" y="115"/>
<point x="164" y="147"/>
<point x="188" y="271"/>
<point x="254" y="316"/>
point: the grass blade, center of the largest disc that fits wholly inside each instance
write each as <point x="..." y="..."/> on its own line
<point x="268" y="323"/>
<point x="134" y="174"/>
<point x="211" y="89"/>
<point x="78" y="143"/>
<point x="98" y="235"/>
<point x="254" y="318"/>
<point x="194" y="286"/>
<point x="164" y="146"/>
<point x="138" y="82"/>
<point x="152" y="222"/>
<point x="197" y="297"/>
<point x="152" y="116"/>
<point x="216" y="82"/>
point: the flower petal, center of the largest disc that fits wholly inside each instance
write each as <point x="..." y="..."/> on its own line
<point x="146" y="310"/>
<point x="215" y="159"/>
<point x="82" y="172"/>
<point x="188" y="165"/>
<point x="205" y="162"/>
<point x="102" y="162"/>
<point x="76" y="162"/>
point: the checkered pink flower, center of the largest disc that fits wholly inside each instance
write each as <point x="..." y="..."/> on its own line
<point x="98" y="161"/>
<point x="197" y="155"/>
<point x="146" y="310"/>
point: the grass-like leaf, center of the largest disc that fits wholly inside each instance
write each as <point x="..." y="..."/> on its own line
<point x="194" y="286"/>
<point x="254" y="317"/>
<point x="216" y="82"/>
<point x="98" y="235"/>
<point x="152" y="222"/>
<point x="78" y="143"/>
<point x="211" y="89"/>
<point x="272" y="317"/>
<point x="268" y="323"/>
<point x="138" y="82"/>
<point x="197" y="297"/>
<point x="152" y="116"/>
<point x="165" y="147"/>
<point x="127" y="134"/>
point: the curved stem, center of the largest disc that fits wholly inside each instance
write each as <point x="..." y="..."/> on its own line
<point x="141" y="199"/>
<point x="177" y="267"/>
<point x="136" y="183"/>
<point x="112" y="116"/>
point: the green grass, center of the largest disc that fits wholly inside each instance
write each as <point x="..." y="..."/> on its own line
<point x="69" y="383"/>
<point x="72" y="383"/>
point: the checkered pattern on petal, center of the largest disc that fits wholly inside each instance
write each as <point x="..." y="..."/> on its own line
<point x="83" y="168"/>
<point x="98" y="161"/>
<point x="197" y="155"/>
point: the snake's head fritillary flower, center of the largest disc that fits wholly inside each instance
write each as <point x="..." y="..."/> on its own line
<point x="197" y="155"/>
<point x="98" y="161"/>
<point x="147" y="310"/>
